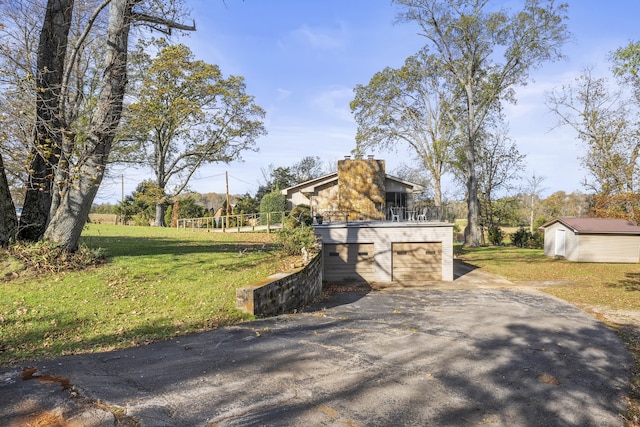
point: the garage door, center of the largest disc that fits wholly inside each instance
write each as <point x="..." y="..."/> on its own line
<point x="348" y="261"/>
<point x="416" y="261"/>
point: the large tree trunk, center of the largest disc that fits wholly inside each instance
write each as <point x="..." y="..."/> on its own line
<point x="8" y="219"/>
<point x="161" y="208"/>
<point x="472" y="232"/>
<point x="78" y="194"/>
<point x="52" y="50"/>
<point x="437" y="194"/>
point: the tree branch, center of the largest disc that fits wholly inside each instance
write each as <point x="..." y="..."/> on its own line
<point x="164" y="22"/>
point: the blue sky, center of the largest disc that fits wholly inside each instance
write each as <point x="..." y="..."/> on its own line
<point x="302" y="58"/>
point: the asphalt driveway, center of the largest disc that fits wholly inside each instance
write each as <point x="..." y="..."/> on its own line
<point x="441" y="356"/>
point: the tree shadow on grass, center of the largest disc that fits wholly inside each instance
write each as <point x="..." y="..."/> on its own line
<point x="631" y="282"/>
<point x="145" y="246"/>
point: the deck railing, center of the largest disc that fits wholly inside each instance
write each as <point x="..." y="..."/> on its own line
<point x="403" y="214"/>
<point x="268" y="221"/>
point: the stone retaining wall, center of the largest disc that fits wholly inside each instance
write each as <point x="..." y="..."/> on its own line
<point x="283" y="292"/>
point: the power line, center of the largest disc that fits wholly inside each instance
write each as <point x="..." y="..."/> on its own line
<point x="207" y="177"/>
<point x="238" y="179"/>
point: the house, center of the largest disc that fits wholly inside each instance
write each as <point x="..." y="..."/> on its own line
<point x="360" y="189"/>
<point x="371" y="230"/>
<point x="592" y="239"/>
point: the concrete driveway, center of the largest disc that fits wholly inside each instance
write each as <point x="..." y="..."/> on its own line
<point x="447" y="355"/>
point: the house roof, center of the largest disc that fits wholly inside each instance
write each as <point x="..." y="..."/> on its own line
<point x="597" y="225"/>
<point x="310" y="186"/>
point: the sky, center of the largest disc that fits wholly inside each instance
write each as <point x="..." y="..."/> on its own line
<point x="301" y="60"/>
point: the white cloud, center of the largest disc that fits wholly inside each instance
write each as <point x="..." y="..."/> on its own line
<point x="320" y="38"/>
<point x="335" y="103"/>
<point x="283" y="94"/>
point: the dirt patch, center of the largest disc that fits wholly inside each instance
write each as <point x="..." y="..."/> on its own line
<point x="616" y="317"/>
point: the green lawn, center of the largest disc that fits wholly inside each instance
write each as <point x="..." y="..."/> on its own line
<point x="616" y="286"/>
<point x="157" y="283"/>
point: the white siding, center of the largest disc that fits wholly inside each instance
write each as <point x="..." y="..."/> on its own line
<point x="592" y="247"/>
<point x="609" y="248"/>
<point x="571" y="251"/>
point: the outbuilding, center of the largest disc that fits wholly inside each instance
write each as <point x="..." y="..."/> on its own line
<point x="592" y="239"/>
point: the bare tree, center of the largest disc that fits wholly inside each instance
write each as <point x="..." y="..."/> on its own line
<point x="68" y="162"/>
<point x="485" y="54"/>
<point x="409" y="105"/>
<point x="83" y="178"/>
<point x="533" y="196"/>
<point x="605" y="120"/>
<point x="40" y="110"/>
<point x="498" y="167"/>
<point x="49" y="128"/>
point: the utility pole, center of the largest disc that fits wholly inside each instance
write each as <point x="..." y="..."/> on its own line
<point x="122" y="198"/>
<point x="226" y="175"/>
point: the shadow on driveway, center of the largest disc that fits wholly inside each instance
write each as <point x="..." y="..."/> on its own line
<point x="419" y="357"/>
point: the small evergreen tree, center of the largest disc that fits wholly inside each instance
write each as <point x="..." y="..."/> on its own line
<point x="272" y="204"/>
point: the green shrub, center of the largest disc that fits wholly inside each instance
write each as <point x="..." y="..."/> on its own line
<point x="496" y="235"/>
<point x="294" y="239"/>
<point x="521" y="237"/>
<point x="273" y="203"/>
<point x="299" y="216"/>
<point x="141" y="219"/>
<point x="537" y="240"/>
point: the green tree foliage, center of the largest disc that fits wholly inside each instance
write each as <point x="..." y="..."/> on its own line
<point x="247" y="204"/>
<point x="484" y="53"/>
<point x="523" y="238"/>
<point x="186" y="115"/>
<point x="139" y="207"/>
<point x="626" y="66"/>
<point x="273" y="203"/>
<point x="496" y="235"/>
<point x="277" y="178"/>
<point x="188" y="207"/>
<point x="409" y="105"/>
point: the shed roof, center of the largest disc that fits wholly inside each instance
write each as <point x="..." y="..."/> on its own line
<point x="597" y="225"/>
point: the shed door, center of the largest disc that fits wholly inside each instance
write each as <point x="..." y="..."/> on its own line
<point x="348" y="261"/>
<point x="417" y="261"/>
<point x="560" y="243"/>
